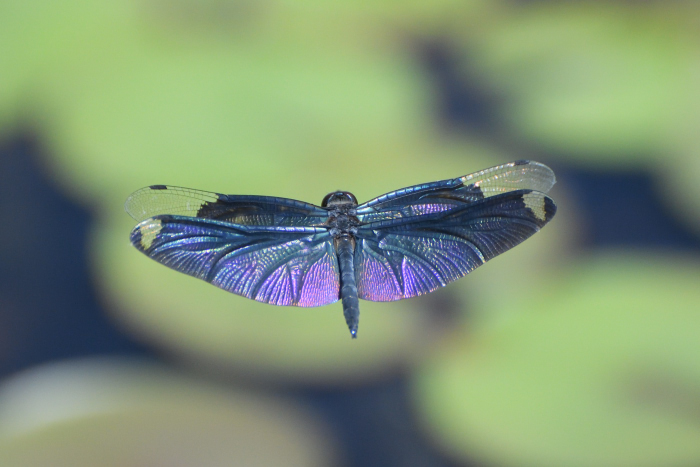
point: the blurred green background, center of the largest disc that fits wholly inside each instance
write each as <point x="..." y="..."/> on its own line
<point x="578" y="348"/>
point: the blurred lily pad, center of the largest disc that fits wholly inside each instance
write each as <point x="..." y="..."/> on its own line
<point x="221" y="116"/>
<point x="678" y="174"/>
<point x="601" y="368"/>
<point x="129" y="413"/>
<point x="599" y="83"/>
<point x="130" y="95"/>
<point x="678" y="184"/>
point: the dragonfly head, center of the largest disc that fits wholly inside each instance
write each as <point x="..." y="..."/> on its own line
<point x="338" y="198"/>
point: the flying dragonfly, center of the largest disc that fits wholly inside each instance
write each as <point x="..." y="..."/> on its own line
<point x="402" y="244"/>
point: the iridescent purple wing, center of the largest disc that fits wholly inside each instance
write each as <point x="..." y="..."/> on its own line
<point x="455" y="193"/>
<point x="408" y="256"/>
<point x="278" y="265"/>
<point x="238" y="209"/>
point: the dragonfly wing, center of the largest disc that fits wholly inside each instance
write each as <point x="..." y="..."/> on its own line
<point x="402" y="258"/>
<point x="446" y="195"/>
<point x="278" y="265"/>
<point x="156" y="200"/>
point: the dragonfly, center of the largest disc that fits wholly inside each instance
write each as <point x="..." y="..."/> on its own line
<point x="402" y="244"/>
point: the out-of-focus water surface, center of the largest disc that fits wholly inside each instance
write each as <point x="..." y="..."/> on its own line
<point x="577" y="348"/>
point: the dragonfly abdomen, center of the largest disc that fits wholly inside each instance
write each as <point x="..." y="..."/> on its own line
<point x="345" y="247"/>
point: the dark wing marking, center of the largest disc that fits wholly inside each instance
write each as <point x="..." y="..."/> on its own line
<point x="402" y="258"/>
<point x="446" y="195"/>
<point x="279" y="265"/>
<point x="238" y="209"/>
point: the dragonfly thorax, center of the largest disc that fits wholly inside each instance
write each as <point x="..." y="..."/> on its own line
<point x="342" y="216"/>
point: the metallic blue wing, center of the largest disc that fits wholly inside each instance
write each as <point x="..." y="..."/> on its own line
<point x="404" y="257"/>
<point x="238" y="209"/>
<point x="278" y="265"/>
<point x="455" y="193"/>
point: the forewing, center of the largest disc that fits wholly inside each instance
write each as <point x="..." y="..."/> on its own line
<point x="157" y="200"/>
<point x="282" y="266"/>
<point x="402" y="258"/>
<point x="446" y="195"/>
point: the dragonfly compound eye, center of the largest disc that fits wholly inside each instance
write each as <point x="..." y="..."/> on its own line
<point x="338" y="197"/>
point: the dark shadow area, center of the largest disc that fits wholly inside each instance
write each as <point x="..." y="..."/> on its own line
<point x="48" y="306"/>
<point x="462" y="100"/>
<point x="624" y="209"/>
<point x="376" y="425"/>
